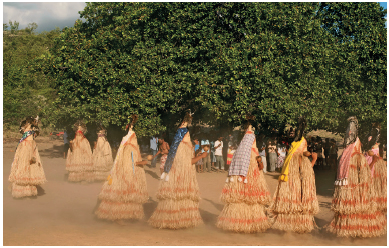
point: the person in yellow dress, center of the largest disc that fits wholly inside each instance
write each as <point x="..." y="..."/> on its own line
<point x="294" y="202"/>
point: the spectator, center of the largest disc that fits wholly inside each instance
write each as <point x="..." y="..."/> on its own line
<point x="319" y="151"/>
<point x="228" y="140"/>
<point x="206" y="160"/>
<point x="327" y="147"/>
<point x="230" y="154"/>
<point x="154" y="150"/>
<point x="212" y="153"/>
<point x="333" y="155"/>
<point x="262" y="152"/>
<point x="219" y="154"/>
<point x="163" y="150"/>
<point x="199" y="163"/>
<point x="281" y="155"/>
<point x="272" y="149"/>
<point x="312" y="148"/>
<point x="196" y="142"/>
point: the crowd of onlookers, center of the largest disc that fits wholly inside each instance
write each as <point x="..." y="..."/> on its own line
<point x="272" y="150"/>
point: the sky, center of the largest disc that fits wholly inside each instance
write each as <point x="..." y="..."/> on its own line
<point x="48" y="15"/>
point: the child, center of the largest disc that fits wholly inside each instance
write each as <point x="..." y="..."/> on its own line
<point x="259" y="162"/>
<point x="163" y="150"/>
<point x="230" y="154"/>
<point x="199" y="164"/>
<point x="281" y="155"/>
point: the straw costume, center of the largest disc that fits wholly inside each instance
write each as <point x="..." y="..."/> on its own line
<point x="79" y="160"/>
<point x="245" y="192"/>
<point x="102" y="156"/>
<point x="294" y="201"/>
<point x="125" y="191"/>
<point x="27" y="170"/>
<point x="178" y="192"/>
<point x="356" y="213"/>
<point x="377" y="168"/>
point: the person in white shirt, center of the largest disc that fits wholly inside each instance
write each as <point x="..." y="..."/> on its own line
<point x="207" y="159"/>
<point x="219" y="154"/>
<point x="154" y="150"/>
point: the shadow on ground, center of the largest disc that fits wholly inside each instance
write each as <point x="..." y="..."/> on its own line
<point x="208" y="218"/>
<point x="149" y="208"/>
<point x="218" y="206"/>
<point x="54" y="152"/>
<point x="152" y="173"/>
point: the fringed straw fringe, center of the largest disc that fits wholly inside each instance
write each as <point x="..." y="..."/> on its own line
<point x="101" y="175"/>
<point x="123" y="198"/>
<point x="22" y="172"/>
<point x="379" y="184"/>
<point x="242" y="217"/>
<point x="358" y="225"/>
<point x="299" y="223"/>
<point x="119" y="210"/>
<point x="128" y="182"/>
<point x="309" y="202"/>
<point x="80" y="159"/>
<point x="178" y="205"/>
<point x="176" y="214"/>
<point x="298" y="194"/>
<point x="357" y="196"/>
<point x="87" y="176"/>
<point x="255" y="191"/>
<point x="102" y="156"/>
<point x="19" y="191"/>
<point x="182" y="182"/>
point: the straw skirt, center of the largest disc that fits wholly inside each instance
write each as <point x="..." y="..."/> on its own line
<point x="79" y="161"/>
<point x="102" y="159"/>
<point x="25" y="176"/>
<point x="178" y="205"/>
<point x="123" y="196"/>
<point x="379" y="184"/>
<point x="356" y="211"/>
<point x="244" y="209"/>
<point x="295" y="202"/>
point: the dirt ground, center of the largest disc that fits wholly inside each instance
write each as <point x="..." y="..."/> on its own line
<point x="62" y="214"/>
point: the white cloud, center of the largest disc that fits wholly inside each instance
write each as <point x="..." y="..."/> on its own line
<point x="47" y="15"/>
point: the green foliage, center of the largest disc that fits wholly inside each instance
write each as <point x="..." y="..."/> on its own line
<point x="362" y="46"/>
<point x="14" y="26"/>
<point x="275" y="60"/>
<point x="25" y="92"/>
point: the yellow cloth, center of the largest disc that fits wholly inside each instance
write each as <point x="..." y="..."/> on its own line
<point x="285" y="167"/>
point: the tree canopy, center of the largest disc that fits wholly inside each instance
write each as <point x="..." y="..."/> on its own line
<point x="222" y="60"/>
<point x="25" y="91"/>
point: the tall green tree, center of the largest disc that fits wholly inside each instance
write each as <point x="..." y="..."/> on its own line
<point x="360" y="30"/>
<point x="274" y="60"/>
<point x="25" y="91"/>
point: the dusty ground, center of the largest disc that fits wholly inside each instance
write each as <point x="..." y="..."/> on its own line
<point x="63" y="212"/>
